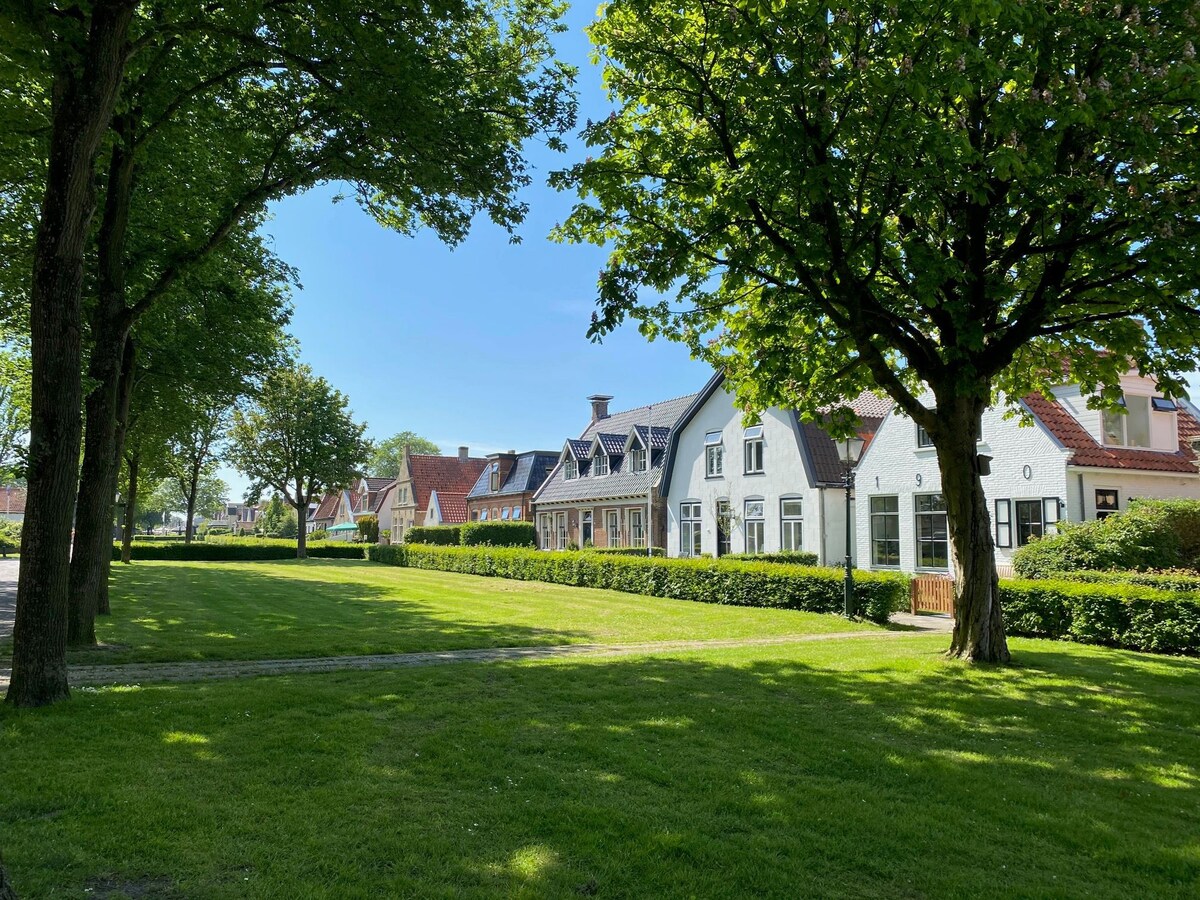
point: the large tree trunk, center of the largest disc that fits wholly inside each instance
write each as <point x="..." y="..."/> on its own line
<point x="84" y="93"/>
<point x="301" y="531"/>
<point x="124" y="402"/>
<point x="133" y="461"/>
<point x="191" y="505"/>
<point x="978" y="620"/>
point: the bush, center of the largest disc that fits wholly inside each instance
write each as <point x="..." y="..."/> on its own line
<point x="10" y="536"/>
<point x="158" y="538"/>
<point x="1151" y="534"/>
<point x="1120" y="615"/>
<point x="626" y="551"/>
<point x="1185" y="581"/>
<point x="243" y="549"/>
<point x="434" y="534"/>
<point x="368" y="528"/>
<point x="319" y="535"/>
<point x="793" y="557"/>
<point x="736" y="583"/>
<point x="498" y="534"/>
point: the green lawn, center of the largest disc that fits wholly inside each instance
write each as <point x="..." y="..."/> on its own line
<point x="855" y="768"/>
<point x="259" y="610"/>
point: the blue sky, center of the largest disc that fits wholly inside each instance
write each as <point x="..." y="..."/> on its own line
<point x="483" y="345"/>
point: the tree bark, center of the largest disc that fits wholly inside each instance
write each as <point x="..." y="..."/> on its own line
<point x="84" y="92"/>
<point x="193" y="486"/>
<point x="133" y="462"/>
<point x="124" y="403"/>
<point x="301" y="532"/>
<point x="978" y="621"/>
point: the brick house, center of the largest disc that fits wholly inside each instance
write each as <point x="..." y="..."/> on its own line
<point x="504" y="490"/>
<point x="421" y="475"/>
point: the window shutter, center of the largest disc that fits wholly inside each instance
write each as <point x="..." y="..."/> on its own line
<point x="1003" y="523"/>
<point x="1050" y="515"/>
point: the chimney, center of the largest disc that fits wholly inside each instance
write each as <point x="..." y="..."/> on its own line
<point x="599" y="406"/>
<point x="463" y="453"/>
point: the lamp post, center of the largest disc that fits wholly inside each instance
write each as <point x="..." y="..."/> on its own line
<point x="849" y="450"/>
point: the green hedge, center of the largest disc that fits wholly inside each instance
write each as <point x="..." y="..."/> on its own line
<point x="709" y="581"/>
<point x="1121" y="615"/>
<point x="792" y="557"/>
<point x="245" y="549"/>
<point x="498" y="534"/>
<point x="434" y="534"/>
<point x="160" y="538"/>
<point x="1185" y="581"/>
<point x="626" y="551"/>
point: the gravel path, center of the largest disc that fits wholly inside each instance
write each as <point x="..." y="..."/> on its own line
<point x="8" y="596"/>
<point x="137" y="673"/>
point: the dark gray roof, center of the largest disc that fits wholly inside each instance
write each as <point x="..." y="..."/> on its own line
<point x="658" y="440"/>
<point x="612" y="444"/>
<point x="620" y="482"/>
<point x="527" y="474"/>
<point x="579" y="449"/>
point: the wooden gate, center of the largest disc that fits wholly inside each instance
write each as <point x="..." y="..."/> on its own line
<point x="932" y="593"/>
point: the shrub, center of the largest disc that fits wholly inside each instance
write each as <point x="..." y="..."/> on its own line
<point x="1120" y="615"/>
<point x="1185" y="581"/>
<point x="498" y="534"/>
<point x="319" y="535"/>
<point x="10" y="536"/>
<point x="242" y="549"/>
<point x="368" y="528"/>
<point x="1151" y="534"/>
<point x="794" y="557"/>
<point x="738" y="583"/>
<point x="626" y="551"/>
<point x="434" y="534"/>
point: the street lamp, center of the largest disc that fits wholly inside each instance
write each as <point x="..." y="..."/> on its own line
<point x="849" y="449"/>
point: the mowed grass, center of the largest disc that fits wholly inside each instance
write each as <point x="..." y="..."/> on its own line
<point x="852" y="768"/>
<point x="269" y="610"/>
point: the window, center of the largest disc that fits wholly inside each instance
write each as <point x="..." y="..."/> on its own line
<point x="546" y="531"/>
<point x="1130" y="427"/>
<point x="724" y="528"/>
<point x="1106" y="502"/>
<point x="714" y="455"/>
<point x="1162" y="404"/>
<point x="885" y="531"/>
<point x="600" y="464"/>
<point x="637" y="458"/>
<point x="516" y="513"/>
<point x="791" y="524"/>
<point x="1003" y="523"/>
<point x="689" y="529"/>
<point x="569" y="469"/>
<point x="483" y="515"/>
<point x="495" y="513"/>
<point x="585" y="530"/>
<point x="1029" y="521"/>
<point x="504" y="514"/>
<point x="923" y="438"/>
<point x="933" y="533"/>
<point x="613" y="524"/>
<point x="755" y="527"/>
<point x="754" y="450"/>
<point x="560" y="522"/>
<point x="637" y="537"/>
<point x="474" y="515"/>
<point x="495" y="477"/>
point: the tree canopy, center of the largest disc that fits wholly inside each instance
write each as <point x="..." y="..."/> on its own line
<point x="386" y="454"/>
<point x="978" y="200"/>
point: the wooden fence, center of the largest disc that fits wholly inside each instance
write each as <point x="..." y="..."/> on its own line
<point x="932" y="593"/>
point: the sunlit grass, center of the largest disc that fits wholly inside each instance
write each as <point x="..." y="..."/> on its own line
<point x="832" y="769"/>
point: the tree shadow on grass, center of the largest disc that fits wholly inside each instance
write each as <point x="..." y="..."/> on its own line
<point x="260" y="611"/>
<point x="818" y="771"/>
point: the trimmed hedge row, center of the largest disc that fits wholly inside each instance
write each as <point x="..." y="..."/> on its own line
<point x="1188" y="582"/>
<point x="792" y="557"/>
<point x="626" y="551"/>
<point x="735" y="582"/>
<point x="260" y="549"/>
<point x="161" y="538"/>
<point x="1120" y="615"/>
<point x="434" y="534"/>
<point x="498" y="534"/>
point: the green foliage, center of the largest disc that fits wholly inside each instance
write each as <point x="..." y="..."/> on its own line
<point x="1151" y="534"/>
<point x="10" y="536"/>
<point x="707" y="581"/>
<point x="498" y="534"/>
<point x="240" y="549"/>
<point x="1185" y="581"/>
<point x="795" y="557"/>
<point x="386" y="455"/>
<point x="434" y="534"/>
<point x="319" y="535"/>
<point x="626" y="551"/>
<point x="368" y="528"/>
<point x="1120" y="615"/>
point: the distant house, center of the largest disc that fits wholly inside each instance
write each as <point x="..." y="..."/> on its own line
<point x="12" y="503"/>
<point x="452" y="477"/>
<point x="600" y="490"/>
<point x="323" y="516"/>
<point x="446" y="508"/>
<point x="504" y="490"/>
<point x="236" y="517"/>
<point x="1072" y="464"/>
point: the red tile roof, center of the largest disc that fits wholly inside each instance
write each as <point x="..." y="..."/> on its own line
<point x="444" y="474"/>
<point x="328" y="506"/>
<point x="453" y="506"/>
<point x="12" y="500"/>
<point x="1090" y="452"/>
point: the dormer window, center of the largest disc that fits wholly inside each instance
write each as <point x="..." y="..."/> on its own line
<point x="1162" y="404"/>
<point x="495" y="477"/>
<point x="637" y="459"/>
<point x="1131" y="427"/>
<point x="600" y="464"/>
<point x="754" y="450"/>
<point x="569" y="469"/>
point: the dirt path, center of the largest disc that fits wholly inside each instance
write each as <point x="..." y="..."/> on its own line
<point x="137" y="673"/>
<point x="8" y="596"/>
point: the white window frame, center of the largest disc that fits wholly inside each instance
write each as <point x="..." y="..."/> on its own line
<point x="1029" y="503"/>
<point x="791" y="525"/>
<point x="690" y="524"/>
<point x="754" y="526"/>
<point x="1004" y="524"/>
<point x="882" y="515"/>
<point x="600" y="468"/>
<point x="753" y="454"/>
<point x="570" y="470"/>
<point x="931" y="514"/>
<point x="714" y="455"/>
<point x="637" y="459"/>
<point x="1111" y="417"/>
<point x="612" y="535"/>
<point x="634" y="516"/>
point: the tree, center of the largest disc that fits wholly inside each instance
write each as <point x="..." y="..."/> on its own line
<point x="86" y="54"/>
<point x="973" y="200"/>
<point x="14" y="412"/>
<point x="192" y="457"/>
<point x="386" y="455"/>
<point x="368" y="528"/>
<point x="298" y="437"/>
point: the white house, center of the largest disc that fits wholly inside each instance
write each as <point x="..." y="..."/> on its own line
<point x="776" y="484"/>
<point x="1072" y="463"/>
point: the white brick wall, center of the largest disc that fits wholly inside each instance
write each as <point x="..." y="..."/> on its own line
<point x="784" y="475"/>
